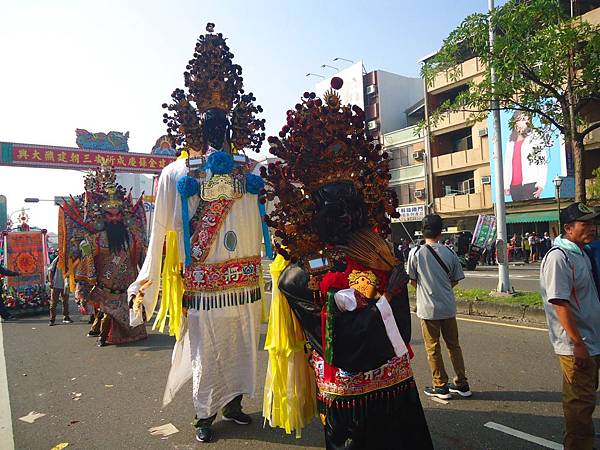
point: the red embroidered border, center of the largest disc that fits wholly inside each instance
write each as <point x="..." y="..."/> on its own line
<point x="207" y="228"/>
<point x="349" y="384"/>
<point x="237" y="273"/>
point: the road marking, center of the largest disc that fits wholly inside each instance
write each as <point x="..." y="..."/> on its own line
<point x="525" y="436"/>
<point x="500" y="324"/>
<point x="6" y="431"/>
<point x="439" y="400"/>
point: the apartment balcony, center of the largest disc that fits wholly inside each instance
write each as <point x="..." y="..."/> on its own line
<point x="456" y="119"/>
<point x="459" y="160"/>
<point x="592" y="140"/>
<point x="464" y="203"/>
<point x="450" y="78"/>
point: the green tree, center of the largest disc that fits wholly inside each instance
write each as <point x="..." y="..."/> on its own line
<point x="546" y="64"/>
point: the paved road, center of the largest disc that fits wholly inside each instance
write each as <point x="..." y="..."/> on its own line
<point x="512" y="370"/>
<point x="522" y="278"/>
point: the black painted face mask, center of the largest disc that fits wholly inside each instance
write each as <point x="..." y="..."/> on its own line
<point x="340" y="211"/>
<point x="215" y="128"/>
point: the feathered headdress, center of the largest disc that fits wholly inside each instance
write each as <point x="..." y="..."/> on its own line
<point x="213" y="81"/>
<point x="323" y="142"/>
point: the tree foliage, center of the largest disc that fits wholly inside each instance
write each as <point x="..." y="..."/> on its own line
<point x="546" y="64"/>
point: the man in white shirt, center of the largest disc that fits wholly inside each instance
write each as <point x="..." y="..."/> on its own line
<point x="434" y="270"/>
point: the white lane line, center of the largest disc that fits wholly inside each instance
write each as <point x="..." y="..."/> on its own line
<point x="6" y="431"/>
<point x="525" y="436"/>
<point x="500" y="324"/>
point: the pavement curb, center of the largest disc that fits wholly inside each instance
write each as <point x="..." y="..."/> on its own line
<point x="497" y="310"/>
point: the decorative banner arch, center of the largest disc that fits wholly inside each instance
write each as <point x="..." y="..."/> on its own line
<point x="51" y="157"/>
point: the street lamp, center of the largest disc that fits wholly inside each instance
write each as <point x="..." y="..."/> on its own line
<point x="314" y="75"/>
<point x="331" y="67"/>
<point x="343" y="59"/>
<point x="557" y="180"/>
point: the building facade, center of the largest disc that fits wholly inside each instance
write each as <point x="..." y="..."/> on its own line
<point x="458" y="158"/>
<point x="406" y="150"/>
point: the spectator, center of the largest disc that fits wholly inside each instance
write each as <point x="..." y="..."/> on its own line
<point x="4" y="272"/>
<point x="573" y="312"/>
<point x="546" y="244"/>
<point x="58" y="288"/>
<point x="526" y="248"/>
<point x="534" y="245"/>
<point x="434" y="270"/>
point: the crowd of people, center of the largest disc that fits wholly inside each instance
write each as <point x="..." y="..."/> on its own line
<point x="529" y="248"/>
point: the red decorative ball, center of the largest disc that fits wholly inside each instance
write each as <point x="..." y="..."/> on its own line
<point x="337" y="83"/>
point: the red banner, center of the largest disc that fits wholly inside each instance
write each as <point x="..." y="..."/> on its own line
<point x="25" y="254"/>
<point x="29" y="155"/>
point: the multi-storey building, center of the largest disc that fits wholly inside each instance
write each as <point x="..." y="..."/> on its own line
<point x="384" y="96"/>
<point x="459" y="180"/>
<point x="459" y="157"/>
<point x="406" y="148"/>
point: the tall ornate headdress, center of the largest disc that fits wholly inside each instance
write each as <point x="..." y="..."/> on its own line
<point x="213" y="81"/>
<point x="323" y="142"/>
<point x="102" y="192"/>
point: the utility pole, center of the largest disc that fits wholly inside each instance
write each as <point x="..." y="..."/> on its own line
<point x="502" y="257"/>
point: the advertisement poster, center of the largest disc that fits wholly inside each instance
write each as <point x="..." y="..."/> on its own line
<point x="485" y="231"/>
<point x="531" y="158"/>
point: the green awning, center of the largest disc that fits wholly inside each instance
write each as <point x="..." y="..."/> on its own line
<point x="536" y="216"/>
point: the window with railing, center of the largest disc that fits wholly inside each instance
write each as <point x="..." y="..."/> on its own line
<point x="455" y="184"/>
<point x="402" y="156"/>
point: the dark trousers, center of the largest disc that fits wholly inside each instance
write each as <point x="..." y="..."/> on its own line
<point x="230" y="409"/>
<point x="4" y="312"/>
<point x="101" y="324"/>
<point x="54" y="295"/>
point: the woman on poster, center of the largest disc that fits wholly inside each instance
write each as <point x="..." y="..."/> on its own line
<point x="526" y="160"/>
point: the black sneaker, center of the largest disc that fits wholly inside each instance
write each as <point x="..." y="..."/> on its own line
<point x="93" y="334"/>
<point x="51" y="323"/>
<point x="240" y="418"/>
<point x="463" y="390"/>
<point x="101" y="343"/>
<point x="439" y="392"/>
<point x="67" y="319"/>
<point x="204" y="434"/>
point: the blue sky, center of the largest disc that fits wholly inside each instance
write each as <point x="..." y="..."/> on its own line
<point x="110" y="64"/>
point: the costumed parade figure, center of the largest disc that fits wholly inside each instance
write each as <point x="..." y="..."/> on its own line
<point x="102" y="241"/>
<point x="342" y="282"/>
<point x="207" y="212"/>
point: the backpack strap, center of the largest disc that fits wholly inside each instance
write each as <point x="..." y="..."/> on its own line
<point x="438" y="259"/>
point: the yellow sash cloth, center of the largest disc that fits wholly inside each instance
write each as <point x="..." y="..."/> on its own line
<point x="172" y="290"/>
<point x="289" y="396"/>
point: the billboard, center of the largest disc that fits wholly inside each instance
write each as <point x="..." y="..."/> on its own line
<point x="531" y="158"/>
<point x="353" y="89"/>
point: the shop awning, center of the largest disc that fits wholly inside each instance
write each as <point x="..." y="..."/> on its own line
<point x="536" y="216"/>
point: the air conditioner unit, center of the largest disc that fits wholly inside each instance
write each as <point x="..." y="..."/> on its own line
<point x="371" y="89"/>
<point x="483" y="132"/>
<point x="418" y="156"/>
<point x="419" y="193"/>
<point x="486" y="180"/>
<point x="372" y="124"/>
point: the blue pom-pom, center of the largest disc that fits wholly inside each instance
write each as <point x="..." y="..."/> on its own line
<point x="187" y="186"/>
<point x="219" y="163"/>
<point x="254" y="183"/>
